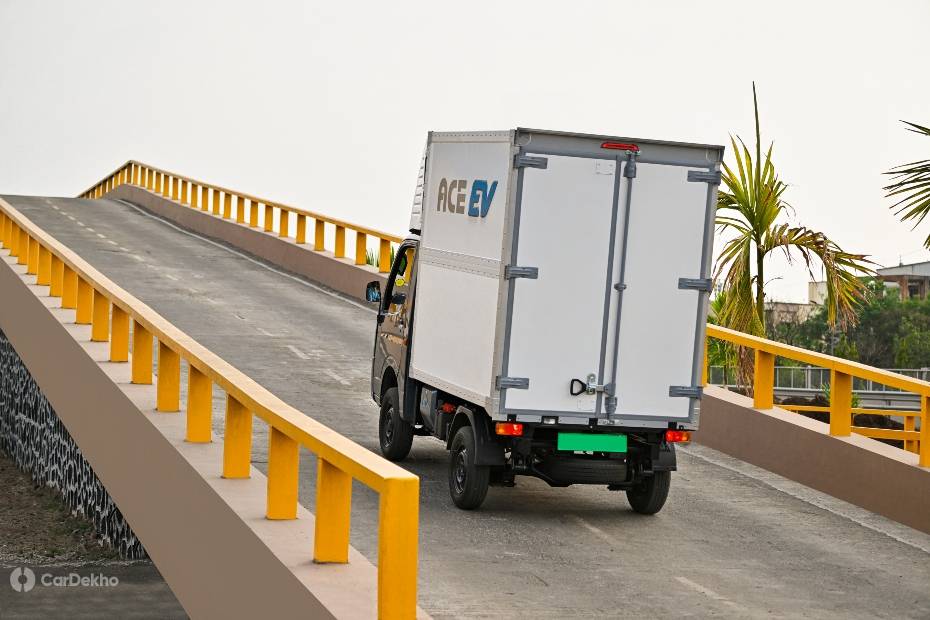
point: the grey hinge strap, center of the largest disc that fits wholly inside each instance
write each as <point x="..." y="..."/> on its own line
<point x="696" y="284"/>
<point x="529" y="161"/>
<point x="513" y="271"/>
<point x="704" y="176"/>
<point x="629" y="171"/>
<point x="686" y="391"/>
<point x="513" y="383"/>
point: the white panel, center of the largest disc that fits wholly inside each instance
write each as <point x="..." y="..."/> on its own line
<point x="658" y="320"/>
<point x="454" y="327"/>
<point x="564" y="230"/>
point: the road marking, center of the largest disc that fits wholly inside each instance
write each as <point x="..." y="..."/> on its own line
<point x="298" y="352"/>
<point x="859" y="516"/>
<point x="336" y="377"/>
<point x="100" y="235"/>
<point x="70" y="217"/>
<point x="265" y="332"/>
<point x="171" y="277"/>
<point x="89" y="229"/>
<point x="595" y="530"/>
<point x="250" y="259"/>
<point x="111" y="242"/>
<point x="138" y="258"/>
<point x="122" y="249"/>
<point x="707" y="592"/>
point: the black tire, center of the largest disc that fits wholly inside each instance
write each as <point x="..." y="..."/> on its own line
<point x="648" y="497"/>
<point x="394" y="433"/>
<point x="468" y="483"/>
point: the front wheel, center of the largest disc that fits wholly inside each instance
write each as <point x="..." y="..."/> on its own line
<point x="395" y="433"/>
<point x="468" y="483"/>
<point x="648" y="497"/>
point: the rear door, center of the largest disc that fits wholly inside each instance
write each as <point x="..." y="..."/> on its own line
<point x="557" y="326"/>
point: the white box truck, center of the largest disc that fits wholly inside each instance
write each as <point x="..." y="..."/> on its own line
<point x="546" y="316"/>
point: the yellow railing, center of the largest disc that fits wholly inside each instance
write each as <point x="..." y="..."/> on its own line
<point x="248" y="210"/>
<point x="116" y="316"/>
<point x="842" y="373"/>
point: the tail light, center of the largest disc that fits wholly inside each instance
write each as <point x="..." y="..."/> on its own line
<point x="513" y="429"/>
<point x="675" y="436"/>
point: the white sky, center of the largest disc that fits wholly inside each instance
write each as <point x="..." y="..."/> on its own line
<point x="327" y="105"/>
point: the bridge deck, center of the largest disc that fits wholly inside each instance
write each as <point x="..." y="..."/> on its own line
<point x="729" y="542"/>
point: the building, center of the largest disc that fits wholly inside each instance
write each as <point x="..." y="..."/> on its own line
<point x="911" y="281"/>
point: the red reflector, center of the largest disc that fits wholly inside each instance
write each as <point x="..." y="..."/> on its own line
<point x="673" y="436"/>
<point x="509" y="428"/>
<point x="447" y="407"/>
<point x="619" y="146"/>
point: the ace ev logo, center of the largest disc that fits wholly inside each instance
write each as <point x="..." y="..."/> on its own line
<point x="451" y="196"/>
<point x="22" y="579"/>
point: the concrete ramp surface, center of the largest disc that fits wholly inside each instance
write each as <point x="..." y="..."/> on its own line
<point x="733" y="541"/>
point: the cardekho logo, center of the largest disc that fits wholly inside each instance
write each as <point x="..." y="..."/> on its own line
<point x="451" y="196"/>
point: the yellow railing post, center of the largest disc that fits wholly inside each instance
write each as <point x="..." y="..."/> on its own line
<point x="100" y="321"/>
<point x="924" y="457"/>
<point x="240" y="209"/>
<point x="204" y="198"/>
<point x="85" y="302"/>
<point x="58" y="272"/>
<point x="175" y="190"/>
<point x="910" y="425"/>
<point x="195" y="196"/>
<point x="398" y="518"/>
<point x="361" y="248"/>
<point x="384" y="256"/>
<point x="840" y="404"/>
<point x="319" y="235"/>
<point x="141" y="354"/>
<point x="169" y="379"/>
<point x="301" y="236"/>
<point x="23" y="257"/>
<point x="136" y="174"/>
<point x="32" y="261"/>
<point x="705" y="363"/>
<point x="44" y="273"/>
<point x="14" y="241"/>
<point x="216" y="202"/>
<point x="166" y="185"/>
<point x="237" y="441"/>
<point x="119" y="340"/>
<point x="284" y="222"/>
<point x="763" y="381"/>
<point x="333" y="513"/>
<point x="227" y="205"/>
<point x="340" y="250"/>
<point x="253" y="213"/>
<point x="269" y="218"/>
<point x="185" y="188"/>
<point x="69" y="288"/>
<point x="199" y="407"/>
<point x="283" y="471"/>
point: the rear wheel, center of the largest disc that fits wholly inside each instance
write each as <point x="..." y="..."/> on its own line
<point x="395" y="434"/>
<point x="649" y="496"/>
<point x="468" y="483"/>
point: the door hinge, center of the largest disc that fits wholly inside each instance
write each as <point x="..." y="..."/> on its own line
<point x="513" y="383"/>
<point x="513" y="271"/>
<point x="696" y="284"/>
<point x="529" y="161"/>
<point x="704" y="176"/>
<point x="685" y="391"/>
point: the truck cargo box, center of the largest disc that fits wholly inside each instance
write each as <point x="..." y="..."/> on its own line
<point x="565" y="276"/>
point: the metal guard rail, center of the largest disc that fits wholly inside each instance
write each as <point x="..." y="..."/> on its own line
<point x="842" y="373"/>
<point x="339" y="460"/>
<point x="232" y="204"/>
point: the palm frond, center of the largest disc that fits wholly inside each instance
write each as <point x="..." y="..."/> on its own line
<point x="911" y="183"/>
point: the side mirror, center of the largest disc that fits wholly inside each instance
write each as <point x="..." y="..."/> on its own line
<point x="373" y="292"/>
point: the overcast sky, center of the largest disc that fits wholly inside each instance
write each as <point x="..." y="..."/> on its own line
<point x="327" y="105"/>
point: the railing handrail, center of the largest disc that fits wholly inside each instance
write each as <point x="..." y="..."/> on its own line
<point x="252" y="198"/>
<point x="822" y="360"/>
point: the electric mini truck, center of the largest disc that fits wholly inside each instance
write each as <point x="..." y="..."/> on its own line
<point x="546" y="316"/>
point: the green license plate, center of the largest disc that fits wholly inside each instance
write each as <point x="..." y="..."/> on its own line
<point x="590" y="442"/>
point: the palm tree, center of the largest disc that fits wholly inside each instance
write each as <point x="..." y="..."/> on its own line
<point x="911" y="182"/>
<point x="751" y="206"/>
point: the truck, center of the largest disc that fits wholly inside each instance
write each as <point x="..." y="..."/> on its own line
<point x="546" y="316"/>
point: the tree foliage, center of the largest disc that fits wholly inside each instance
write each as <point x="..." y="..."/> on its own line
<point x="910" y="186"/>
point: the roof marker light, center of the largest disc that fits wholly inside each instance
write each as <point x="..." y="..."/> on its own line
<point x="620" y="146"/>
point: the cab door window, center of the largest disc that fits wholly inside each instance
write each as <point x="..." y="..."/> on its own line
<point x="399" y="281"/>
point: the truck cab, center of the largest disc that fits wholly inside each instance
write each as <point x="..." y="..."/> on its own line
<point x="512" y="322"/>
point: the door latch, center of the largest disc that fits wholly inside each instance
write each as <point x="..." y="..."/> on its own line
<point x="590" y="386"/>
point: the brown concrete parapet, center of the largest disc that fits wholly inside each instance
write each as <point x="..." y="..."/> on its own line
<point x="339" y="274"/>
<point x="856" y="469"/>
